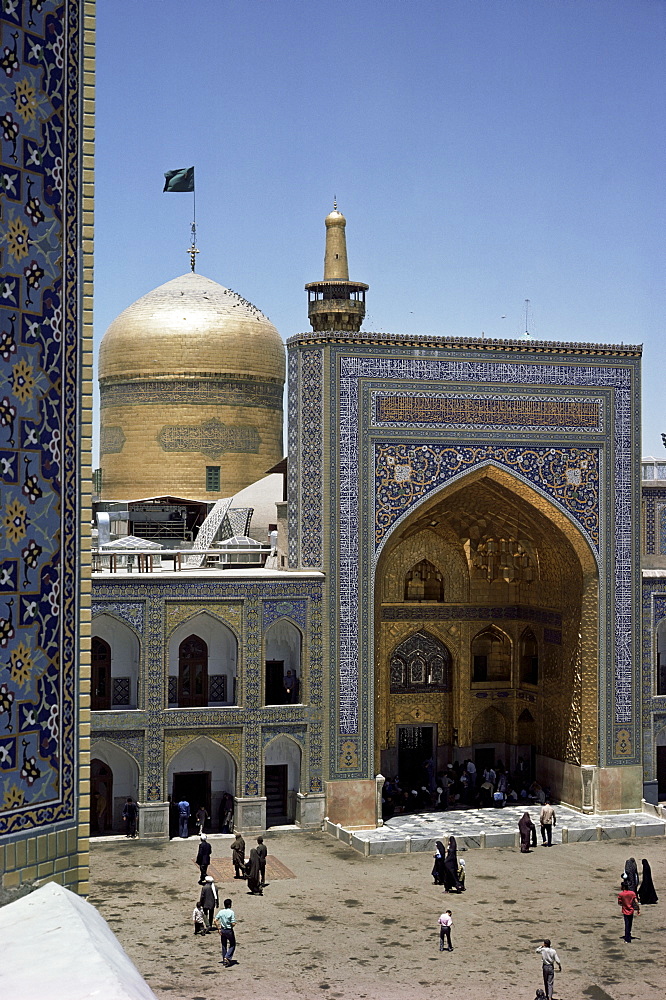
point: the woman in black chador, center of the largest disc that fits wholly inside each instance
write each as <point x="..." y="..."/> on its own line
<point x="647" y="893"/>
<point x="438" y="867"/>
<point x="451" y="883"/>
<point x="631" y="874"/>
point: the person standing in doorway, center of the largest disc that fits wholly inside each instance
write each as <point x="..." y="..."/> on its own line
<point x="262" y="851"/>
<point x="200" y="818"/>
<point x="238" y="855"/>
<point x="100" y="809"/>
<point x="547" y="819"/>
<point x="549" y="959"/>
<point x="445" y="924"/>
<point x="203" y="857"/>
<point x="628" y="900"/>
<point x="226" y="921"/>
<point x="183" y="818"/>
<point x="289" y="688"/>
<point x="129" y="816"/>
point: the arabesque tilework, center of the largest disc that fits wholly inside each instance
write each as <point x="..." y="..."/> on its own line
<point x="45" y="188"/>
<point x="654" y="705"/>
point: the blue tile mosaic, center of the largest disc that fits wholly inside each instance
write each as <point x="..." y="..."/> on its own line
<point x="40" y="345"/>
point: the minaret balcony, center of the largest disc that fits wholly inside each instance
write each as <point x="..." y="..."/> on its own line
<point x="336" y="314"/>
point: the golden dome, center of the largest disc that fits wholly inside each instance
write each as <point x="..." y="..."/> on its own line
<point x="335" y="218"/>
<point x="191" y="325"/>
<point x="191" y="380"/>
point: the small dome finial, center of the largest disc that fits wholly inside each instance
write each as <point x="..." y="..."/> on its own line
<point x="335" y="203"/>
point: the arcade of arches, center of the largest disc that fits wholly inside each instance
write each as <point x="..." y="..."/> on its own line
<point x="486" y="610"/>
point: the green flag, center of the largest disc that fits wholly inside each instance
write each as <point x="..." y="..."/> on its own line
<point x="179" y="180"/>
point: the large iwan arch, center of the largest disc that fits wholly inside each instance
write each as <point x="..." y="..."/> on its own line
<point x="520" y="582"/>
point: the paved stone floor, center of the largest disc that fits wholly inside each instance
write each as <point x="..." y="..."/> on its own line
<point x="471" y="822"/>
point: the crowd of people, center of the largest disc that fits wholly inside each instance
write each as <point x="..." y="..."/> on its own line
<point x="253" y="869"/>
<point x="181" y="817"/>
<point x="449" y="871"/>
<point x="460" y="786"/>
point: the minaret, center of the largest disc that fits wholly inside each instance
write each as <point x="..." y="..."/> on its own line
<point x="336" y="303"/>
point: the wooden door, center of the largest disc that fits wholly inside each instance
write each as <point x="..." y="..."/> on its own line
<point x="101" y="796"/>
<point x="192" y="672"/>
<point x="275" y="693"/>
<point x="101" y="674"/>
<point x="275" y="784"/>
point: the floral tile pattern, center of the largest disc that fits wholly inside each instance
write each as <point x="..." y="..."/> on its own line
<point x="39" y="359"/>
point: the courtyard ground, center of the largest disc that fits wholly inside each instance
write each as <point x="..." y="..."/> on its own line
<point x="334" y="924"/>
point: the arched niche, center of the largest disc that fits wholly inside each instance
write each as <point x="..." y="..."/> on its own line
<point x="490" y="656"/>
<point x="202" y="772"/>
<point x="221" y="652"/>
<point x="115" y="663"/>
<point x="282" y="779"/>
<point x="529" y="658"/>
<point x="436" y="546"/>
<point x="424" y="582"/>
<point x="283" y="645"/>
<point x="527" y="729"/>
<point x="420" y="663"/>
<point x="489" y="726"/>
<point x="661" y="657"/>
<point x="114" y="774"/>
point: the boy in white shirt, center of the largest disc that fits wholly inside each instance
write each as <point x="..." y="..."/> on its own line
<point x="199" y="919"/>
<point x="445" y="924"/>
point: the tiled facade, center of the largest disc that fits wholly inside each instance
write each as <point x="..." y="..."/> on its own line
<point x="46" y="88"/>
<point x="654" y="615"/>
<point x="392" y="422"/>
<point x="154" y="608"/>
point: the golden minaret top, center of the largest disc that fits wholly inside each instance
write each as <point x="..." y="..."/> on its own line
<point x="336" y="303"/>
<point x="335" y="258"/>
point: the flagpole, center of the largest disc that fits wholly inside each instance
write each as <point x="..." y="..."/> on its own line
<point x="193" y="248"/>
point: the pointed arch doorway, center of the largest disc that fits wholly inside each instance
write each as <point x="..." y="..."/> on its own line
<point x="516" y="605"/>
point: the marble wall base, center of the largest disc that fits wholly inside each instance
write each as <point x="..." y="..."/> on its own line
<point x="620" y="788"/>
<point x="153" y="820"/>
<point x="352" y="802"/>
<point x="250" y="814"/>
<point x="651" y="792"/>
<point x="592" y="789"/>
<point x="310" y="810"/>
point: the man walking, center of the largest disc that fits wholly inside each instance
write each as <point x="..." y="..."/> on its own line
<point x="203" y="857"/>
<point x="226" y="921"/>
<point x="238" y="855"/>
<point x="129" y="815"/>
<point x="183" y="818"/>
<point x="547" y="818"/>
<point x="550" y="959"/>
<point x="208" y="900"/>
<point x="628" y="900"/>
<point x="262" y="851"/>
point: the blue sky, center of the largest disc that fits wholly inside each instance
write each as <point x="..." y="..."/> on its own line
<point x="484" y="152"/>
